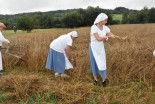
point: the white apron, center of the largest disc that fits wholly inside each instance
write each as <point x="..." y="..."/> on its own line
<point x="67" y="62"/>
<point x="99" y="54"/>
<point x="1" y="66"/>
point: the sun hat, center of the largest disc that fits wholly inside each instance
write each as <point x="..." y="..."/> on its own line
<point x="2" y="25"/>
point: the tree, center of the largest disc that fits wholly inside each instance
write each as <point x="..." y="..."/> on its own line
<point x="110" y="20"/>
<point x="72" y="19"/>
<point x="35" y="22"/>
<point x="90" y="15"/>
<point x="142" y="16"/>
<point x="152" y="15"/>
<point x="120" y="10"/>
<point x="132" y="18"/>
<point x="58" y="23"/>
<point x="125" y="18"/>
<point x="25" y="23"/>
<point x="46" y="21"/>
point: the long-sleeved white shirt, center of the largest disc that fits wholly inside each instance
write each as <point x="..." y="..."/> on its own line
<point x="2" y="39"/>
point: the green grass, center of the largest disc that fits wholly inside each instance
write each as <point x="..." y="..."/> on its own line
<point x="20" y="32"/>
<point x="39" y="99"/>
<point x="2" y="97"/>
<point x="153" y="96"/>
<point x="117" y="17"/>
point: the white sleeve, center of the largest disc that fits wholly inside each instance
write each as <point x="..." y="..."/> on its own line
<point x="69" y="42"/>
<point x="107" y="29"/>
<point x="94" y="29"/>
<point x="2" y="39"/>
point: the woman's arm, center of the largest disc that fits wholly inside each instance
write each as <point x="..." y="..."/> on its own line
<point x="68" y="52"/>
<point x="100" y="38"/>
<point x="2" y="39"/>
<point x="115" y="36"/>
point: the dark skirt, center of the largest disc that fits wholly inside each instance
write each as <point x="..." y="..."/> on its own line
<point x="93" y="65"/>
<point x="56" y="61"/>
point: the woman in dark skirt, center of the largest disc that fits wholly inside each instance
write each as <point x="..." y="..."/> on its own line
<point x="97" y="54"/>
<point x="60" y="54"/>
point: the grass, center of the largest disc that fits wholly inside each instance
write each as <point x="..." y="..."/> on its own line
<point x="19" y="32"/>
<point x="3" y="97"/>
<point x="130" y="69"/>
<point x="117" y="17"/>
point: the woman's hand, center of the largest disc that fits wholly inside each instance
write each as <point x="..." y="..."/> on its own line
<point x="125" y="37"/>
<point x="72" y="59"/>
<point x="111" y="35"/>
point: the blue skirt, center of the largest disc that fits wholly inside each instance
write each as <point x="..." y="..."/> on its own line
<point x="56" y="61"/>
<point x="93" y="65"/>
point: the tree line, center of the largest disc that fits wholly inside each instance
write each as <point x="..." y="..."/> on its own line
<point x="78" y="18"/>
<point x="143" y="16"/>
<point x="75" y="18"/>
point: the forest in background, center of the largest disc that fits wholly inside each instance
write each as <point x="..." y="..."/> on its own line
<point x="71" y="18"/>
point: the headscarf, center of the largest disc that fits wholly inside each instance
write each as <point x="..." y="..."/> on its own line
<point x="73" y="33"/>
<point x="100" y="17"/>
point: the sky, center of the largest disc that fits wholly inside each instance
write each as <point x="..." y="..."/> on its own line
<point x="24" y="6"/>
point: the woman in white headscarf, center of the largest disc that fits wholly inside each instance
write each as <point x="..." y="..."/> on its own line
<point x="60" y="54"/>
<point x="2" y="39"/>
<point x="97" y="53"/>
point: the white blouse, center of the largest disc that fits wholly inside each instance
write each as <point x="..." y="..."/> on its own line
<point x="61" y="42"/>
<point x="2" y="39"/>
<point x="95" y="29"/>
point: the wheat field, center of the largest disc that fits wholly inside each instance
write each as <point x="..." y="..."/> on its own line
<point x="130" y="69"/>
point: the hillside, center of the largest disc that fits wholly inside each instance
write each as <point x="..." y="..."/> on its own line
<point x="11" y="20"/>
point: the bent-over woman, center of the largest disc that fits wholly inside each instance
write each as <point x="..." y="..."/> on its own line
<point x="60" y="54"/>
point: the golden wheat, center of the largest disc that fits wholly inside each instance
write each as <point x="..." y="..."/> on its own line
<point x="130" y="66"/>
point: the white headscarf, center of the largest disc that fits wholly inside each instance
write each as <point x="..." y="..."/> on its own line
<point x="100" y="17"/>
<point x="73" y="33"/>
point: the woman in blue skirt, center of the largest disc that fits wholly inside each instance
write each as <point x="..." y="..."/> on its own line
<point x="97" y="53"/>
<point x="60" y="54"/>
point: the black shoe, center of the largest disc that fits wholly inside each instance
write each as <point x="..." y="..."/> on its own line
<point x="104" y="84"/>
<point x="95" y="82"/>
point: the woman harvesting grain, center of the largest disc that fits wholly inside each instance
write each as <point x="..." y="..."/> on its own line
<point x="2" y="39"/>
<point x="97" y="53"/>
<point x="60" y="54"/>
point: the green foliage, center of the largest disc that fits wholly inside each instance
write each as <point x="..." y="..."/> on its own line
<point x="125" y="18"/>
<point x="25" y="23"/>
<point x="2" y="97"/>
<point x="39" y="99"/>
<point x="73" y="19"/>
<point x="115" y="22"/>
<point x="89" y="15"/>
<point x="152" y="15"/>
<point x="142" y="16"/>
<point x="46" y="21"/>
<point x="117" y="17"/>
<point x="132" y="18"/>
<point x="120" y="10"/>
<point x="76" y="18"/>
<point x="129" y="18"/>
<point x="35" y="22"/>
